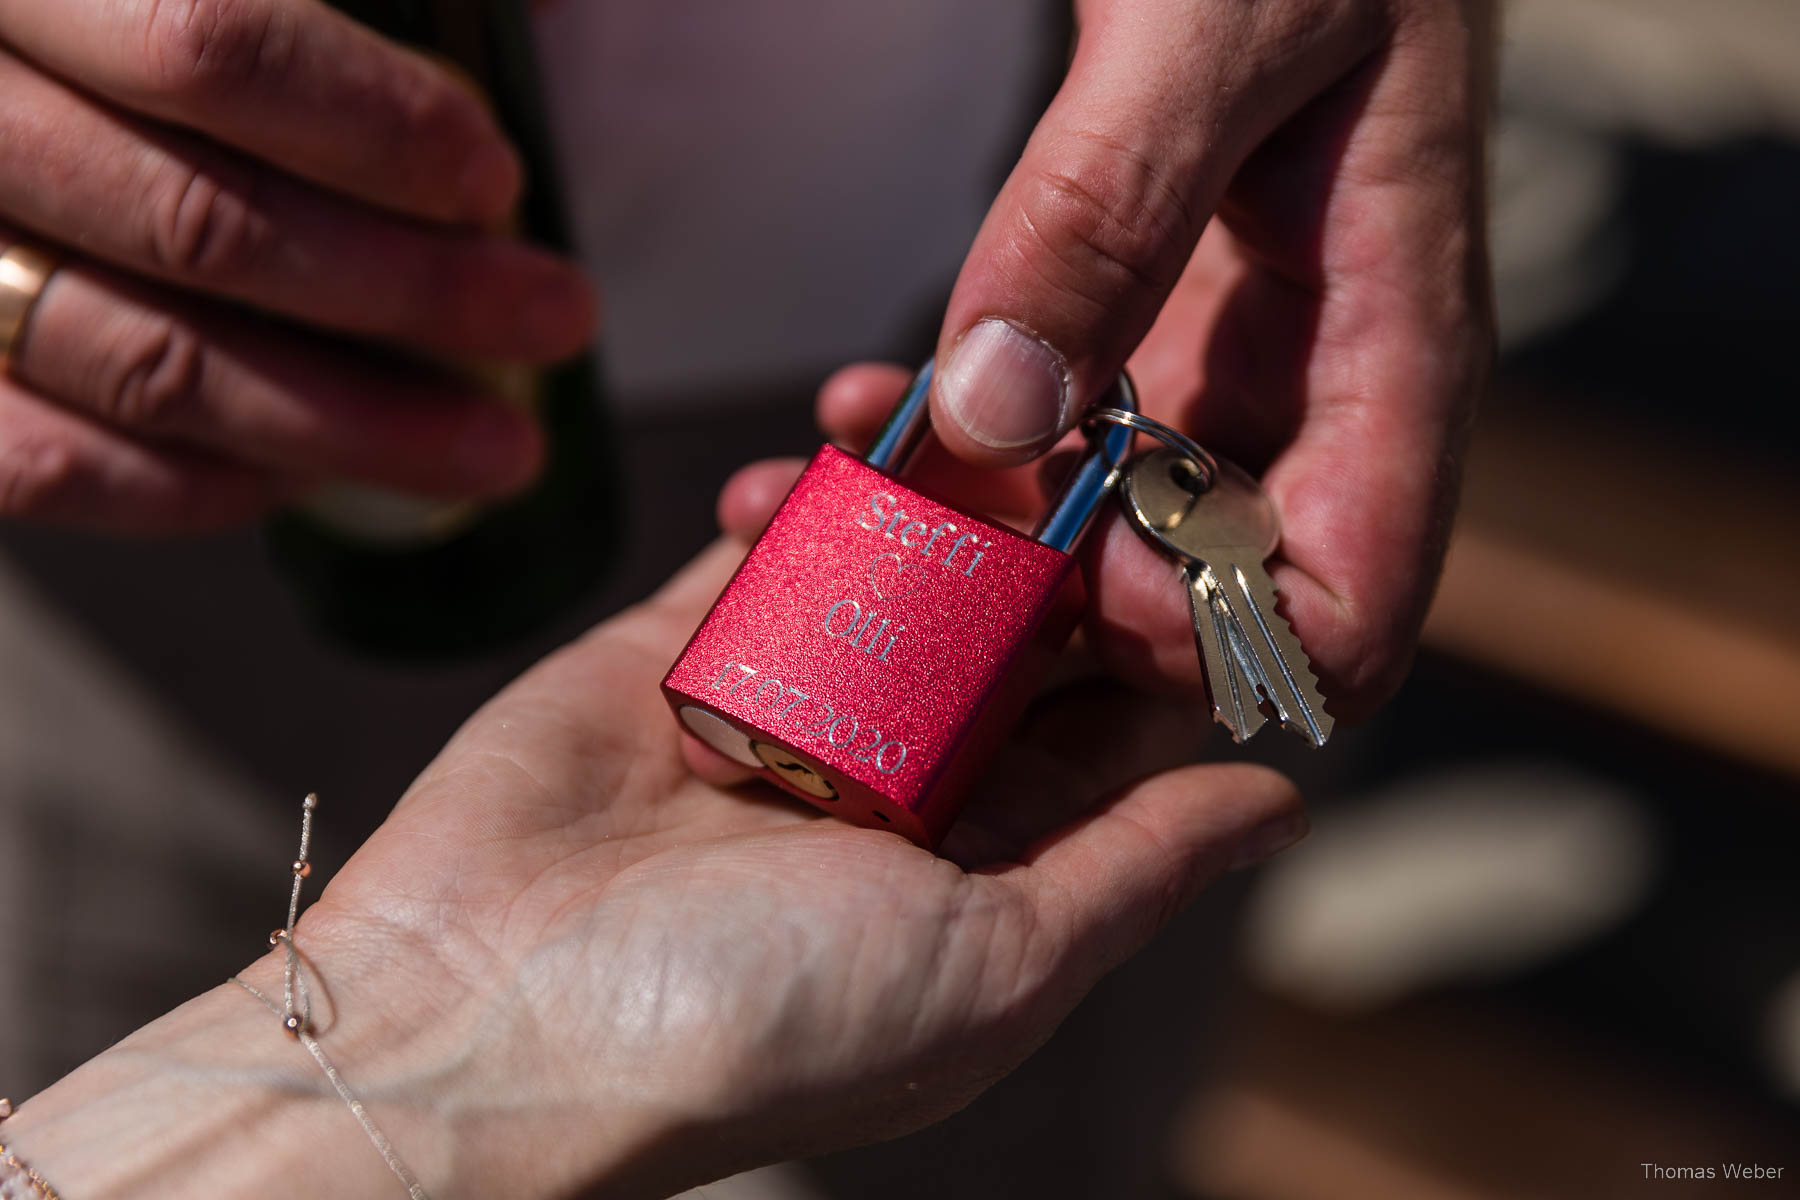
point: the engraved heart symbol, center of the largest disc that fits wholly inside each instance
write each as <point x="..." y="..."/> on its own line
<point x="892" y="579"/>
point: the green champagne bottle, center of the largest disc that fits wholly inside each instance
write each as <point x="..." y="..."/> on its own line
<point x="410" y="577"/>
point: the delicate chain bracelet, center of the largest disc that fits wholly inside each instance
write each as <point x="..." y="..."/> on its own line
<point x="18" y="1181"/>
<point x="296" y="1011"/>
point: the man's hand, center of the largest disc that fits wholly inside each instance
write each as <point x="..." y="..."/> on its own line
<point x="1329" y="331"/>
<point x="204" y="165"/>
<point x="567" y="963"/>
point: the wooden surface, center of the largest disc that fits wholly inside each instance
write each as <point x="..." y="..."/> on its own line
<point x="1658" y="581"/>
<point x="1446" y="1099"/>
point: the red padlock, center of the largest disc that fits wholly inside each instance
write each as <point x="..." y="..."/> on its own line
<point x="877" y="644"/>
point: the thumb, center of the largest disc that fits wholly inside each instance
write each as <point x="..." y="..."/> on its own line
<point x="1096" y="222"/>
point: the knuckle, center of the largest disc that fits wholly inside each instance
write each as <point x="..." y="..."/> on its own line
<point x="206" y="49"/>
<point x="1108" y="224"/>
<point x="204" y="220"/>
<point x="36" y="471"/>
<point x="159" y="377"/>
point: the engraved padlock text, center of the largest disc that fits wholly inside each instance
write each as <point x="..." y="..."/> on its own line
<point x="877" y="644"/>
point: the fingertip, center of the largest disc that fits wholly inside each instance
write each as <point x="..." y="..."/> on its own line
<point x="492" y="180"/>
<point x="1002" y="396"/>
<point x="750" y="497"/>
<point x="1222" y="812"/>
<point x="486" y="191"/>
<point x="489" y="297"/>
<point x="1117" y="875"/>
<point x="710" y="766"/>
<point x="1266" y="793"/>
<point x="560" y="313"/>
<point x="1263" y="815"/>
<point x="1270" y="839"/>
<point x="1357" y="663"/>
<point x="855" y="400"/>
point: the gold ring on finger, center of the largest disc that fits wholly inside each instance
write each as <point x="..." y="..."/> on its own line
<point x="24" y="270"/>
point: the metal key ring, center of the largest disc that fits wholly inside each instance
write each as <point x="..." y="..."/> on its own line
<point x="1168" y="435"/>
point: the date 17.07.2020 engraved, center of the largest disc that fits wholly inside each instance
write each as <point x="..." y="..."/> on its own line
<point x="840" y="730"/>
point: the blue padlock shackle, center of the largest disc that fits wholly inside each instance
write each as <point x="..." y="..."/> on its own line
<point x="1075" y="505"/>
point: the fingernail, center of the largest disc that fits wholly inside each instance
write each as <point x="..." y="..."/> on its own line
<point x="499" y="450"/>
<point x="1269" y="839"/>
<point x="1005" y="387"/>
<point x="490" y="182"/>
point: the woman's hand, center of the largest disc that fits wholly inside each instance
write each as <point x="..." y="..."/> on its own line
<point x="1329" y="331"/>
<point x="204" y="165"/>
<point x="567" y="962"/>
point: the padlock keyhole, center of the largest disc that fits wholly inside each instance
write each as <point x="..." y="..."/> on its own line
<point x="787" y="765"/>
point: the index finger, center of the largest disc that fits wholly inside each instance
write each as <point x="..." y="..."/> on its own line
<point x="293" y="82"/>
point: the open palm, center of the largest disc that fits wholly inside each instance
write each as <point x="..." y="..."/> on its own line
<point x="624" y="935"/>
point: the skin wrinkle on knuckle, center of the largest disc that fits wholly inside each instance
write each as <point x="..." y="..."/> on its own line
<point x="204" y="220"/>
<point x="160" y="379"/>
<point x="1025" y="970"/>
<point x="1047" y="936"/>
<point x="1112" y="224"/>
<point x="201" y="50"/>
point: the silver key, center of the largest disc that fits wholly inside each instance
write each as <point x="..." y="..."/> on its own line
<point x="1220" y="535"/>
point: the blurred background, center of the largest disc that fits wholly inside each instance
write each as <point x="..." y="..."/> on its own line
<point x="1547" y="928"/>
